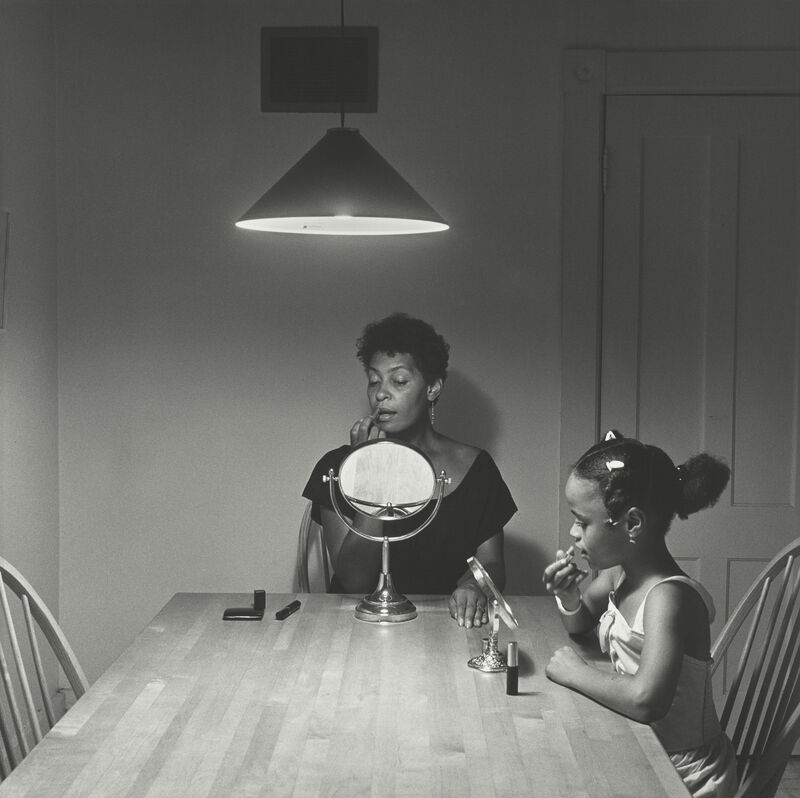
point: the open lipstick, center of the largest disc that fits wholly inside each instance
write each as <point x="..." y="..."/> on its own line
<point x="569" y="557"/>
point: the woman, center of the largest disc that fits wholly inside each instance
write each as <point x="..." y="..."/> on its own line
<point x="406" y="365"/>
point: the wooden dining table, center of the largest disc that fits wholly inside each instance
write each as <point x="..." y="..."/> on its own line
<point x="321" y="704"/>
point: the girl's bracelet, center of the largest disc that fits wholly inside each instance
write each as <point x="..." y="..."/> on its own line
<point x="570" y="612"/>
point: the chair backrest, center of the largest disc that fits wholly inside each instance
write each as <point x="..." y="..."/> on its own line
<point x="18" y="732"/>
<point x="764" y="780"/>
<point x="760" y="712"/>
<point x="311" y="544"/>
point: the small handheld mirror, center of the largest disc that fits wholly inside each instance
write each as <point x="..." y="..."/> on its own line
<point x="491" y="660"/>
<point x="386" y="480"/>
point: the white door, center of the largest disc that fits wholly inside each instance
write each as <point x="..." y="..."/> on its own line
<point x="701" y="311"/>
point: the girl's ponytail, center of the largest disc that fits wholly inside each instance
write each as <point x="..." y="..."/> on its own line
<point x="703" y="477"/>
<point x="628" y="472"/>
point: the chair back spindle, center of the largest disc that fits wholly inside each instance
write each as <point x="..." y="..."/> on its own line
<point x="23" y="668"/>
<point x="761" y="713"/>
<point x="311" y="543"/>
<point x="41" y="678"/>
<point x="22" y="673"/>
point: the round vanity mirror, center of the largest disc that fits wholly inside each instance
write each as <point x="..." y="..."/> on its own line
<point x="387" y="479"/>
<point x="390" y="481"/>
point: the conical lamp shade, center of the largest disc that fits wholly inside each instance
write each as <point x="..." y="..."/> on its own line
<point x="342" y="186"/>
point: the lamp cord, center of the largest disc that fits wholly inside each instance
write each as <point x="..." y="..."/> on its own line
<point x="341" y="63"/>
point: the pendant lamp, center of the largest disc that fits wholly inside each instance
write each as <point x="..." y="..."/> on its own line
<point x="342" y="186"/>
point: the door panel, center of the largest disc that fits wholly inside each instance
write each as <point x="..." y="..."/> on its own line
<point x="700" y="311"/>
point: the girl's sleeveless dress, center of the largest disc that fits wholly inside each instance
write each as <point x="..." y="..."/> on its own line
<point x="690" y="731"/>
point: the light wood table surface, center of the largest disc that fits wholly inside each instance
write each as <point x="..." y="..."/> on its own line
<point x="323" y="705"/>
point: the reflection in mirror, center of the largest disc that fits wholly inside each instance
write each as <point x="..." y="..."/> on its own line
<point x="389" y="480"/>
<point x="491" y="659"/>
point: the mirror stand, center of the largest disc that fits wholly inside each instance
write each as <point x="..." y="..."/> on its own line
<point x="385" y="604"/>
<point x="386" y="480"/>
<point x="491" y="660"/>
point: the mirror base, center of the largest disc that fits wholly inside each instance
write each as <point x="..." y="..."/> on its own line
<point x="491" y="660"/>
<point x="385" y="612"/>
<point x="385" y="604"/>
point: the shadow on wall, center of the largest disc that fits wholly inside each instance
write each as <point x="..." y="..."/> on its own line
<point x="466" y="413"/>
<point x="525" y="560"/>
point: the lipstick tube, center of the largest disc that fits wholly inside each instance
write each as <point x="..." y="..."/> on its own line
<point x="512" y="670"/>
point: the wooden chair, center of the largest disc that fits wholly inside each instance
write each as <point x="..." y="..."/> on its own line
<point x="761" y="712"/>
<point x="311" y="543"/>
<point x="20" y="733"/>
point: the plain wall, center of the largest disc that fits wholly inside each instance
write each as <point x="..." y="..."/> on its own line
<point x="202" y="369"/>
<point x="29" y="530"/>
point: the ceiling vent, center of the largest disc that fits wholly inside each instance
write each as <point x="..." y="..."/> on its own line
<point x="317" y="69"/>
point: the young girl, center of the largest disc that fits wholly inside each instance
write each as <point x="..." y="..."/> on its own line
<point x="653" y="619"/>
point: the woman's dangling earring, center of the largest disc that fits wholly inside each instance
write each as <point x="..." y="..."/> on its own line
<point x="433" y="413"/>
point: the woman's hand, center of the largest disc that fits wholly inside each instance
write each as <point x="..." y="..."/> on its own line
<point x="366" y="429"/>
<point x="564" y="666"/>
<point x="468" y="605"/>
<point x="561" y="579"/>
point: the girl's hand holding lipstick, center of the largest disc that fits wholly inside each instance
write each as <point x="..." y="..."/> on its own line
<point x="366" y="428"/>
<point x="562" y="576"/>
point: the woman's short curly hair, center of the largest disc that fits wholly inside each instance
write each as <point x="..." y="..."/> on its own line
<point x="401" y="333"/>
